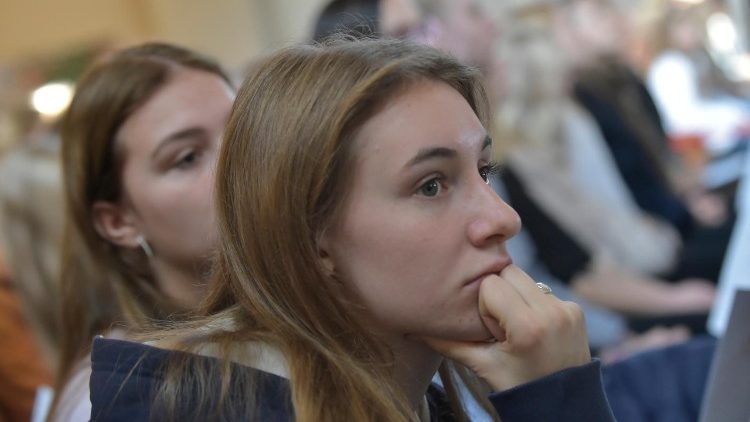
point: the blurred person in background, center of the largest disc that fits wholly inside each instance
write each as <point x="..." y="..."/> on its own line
<point x="692" y="92"/>
<point x="358" y="18"/>
<point x="563" y="159"/>
<point x="32" y="220"/>
<point x="631" y="126"/>
<point x="366" y="18"/>
<point x="139" y="146"/>
<point x="459" y="27"/>
<point x="565" y="168"/>
<point x="22" y="367"/>
<point x="661" y="384"/>
<point x="463" y="29"/>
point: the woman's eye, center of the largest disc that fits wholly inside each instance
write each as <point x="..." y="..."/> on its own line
<point x="187" y="160"/>
<point x="430" y="188"/>
<point x="486" y="171"/>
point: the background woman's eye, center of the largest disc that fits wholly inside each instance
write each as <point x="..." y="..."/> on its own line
<point x="187" y="159"/>
<point x="430" y="188"/>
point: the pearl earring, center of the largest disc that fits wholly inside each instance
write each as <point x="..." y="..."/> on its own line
<point x="145" y="246"/>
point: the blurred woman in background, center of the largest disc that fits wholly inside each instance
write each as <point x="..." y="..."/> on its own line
<point x="139" y="145"/>
<point x="558" y="163"/>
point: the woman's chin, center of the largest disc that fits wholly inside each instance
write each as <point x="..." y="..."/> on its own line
<point x="479" y="334"/>
<point x="482" y="335"/>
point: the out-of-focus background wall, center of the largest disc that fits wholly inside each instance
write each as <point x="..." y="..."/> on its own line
<point x="46" y="40"/>
<point x="231" y="30"/>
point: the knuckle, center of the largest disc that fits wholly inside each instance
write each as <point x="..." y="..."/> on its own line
<point x="574" y="313"/>
<point x="534" y="332"/>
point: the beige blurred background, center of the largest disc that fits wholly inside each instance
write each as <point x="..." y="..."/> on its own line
<point x="52" y="40"/>
<point x="44" y="41"/>
<point x="230" y="30"/>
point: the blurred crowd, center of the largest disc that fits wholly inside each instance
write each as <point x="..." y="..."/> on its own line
<point x="620" y="127"/>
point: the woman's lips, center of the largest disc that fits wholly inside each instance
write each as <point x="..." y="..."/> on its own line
<point x="494" y="269"/>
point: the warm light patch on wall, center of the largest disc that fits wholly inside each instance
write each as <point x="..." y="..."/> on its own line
<point x="52" y="99"/>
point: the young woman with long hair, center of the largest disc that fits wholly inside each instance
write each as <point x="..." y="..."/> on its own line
<point x="360" y="251"/>
<point x="139" y="150"/>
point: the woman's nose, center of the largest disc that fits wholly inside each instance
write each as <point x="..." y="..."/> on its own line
<point x="493" y="219"/>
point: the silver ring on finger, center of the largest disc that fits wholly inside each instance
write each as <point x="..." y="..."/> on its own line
<point x="544" y="288"/>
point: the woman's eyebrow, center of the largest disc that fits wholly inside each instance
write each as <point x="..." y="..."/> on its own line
<point x="430" y="153"/>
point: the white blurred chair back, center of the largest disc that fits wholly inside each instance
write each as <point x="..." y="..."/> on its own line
<point x="735" y="273"/>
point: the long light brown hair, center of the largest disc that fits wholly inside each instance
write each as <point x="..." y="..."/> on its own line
<point x="283" y="176"/>
<point x="103" y="284"/>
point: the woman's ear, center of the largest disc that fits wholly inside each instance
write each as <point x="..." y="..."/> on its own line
<point x="115" y="224"/>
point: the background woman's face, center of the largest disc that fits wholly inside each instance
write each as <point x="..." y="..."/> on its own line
<point x="421" y="227"/>
<point x="169" y="146"/>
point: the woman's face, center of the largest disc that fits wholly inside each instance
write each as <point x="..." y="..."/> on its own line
<point x="470" y="32"/>
<point x="169" y="148"/>
<point x="421" y="227"/>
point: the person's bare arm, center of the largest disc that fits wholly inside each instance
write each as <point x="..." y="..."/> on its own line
<point x="643" y="296"/>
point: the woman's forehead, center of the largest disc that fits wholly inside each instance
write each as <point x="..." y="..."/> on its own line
<point x="426" y="114"/>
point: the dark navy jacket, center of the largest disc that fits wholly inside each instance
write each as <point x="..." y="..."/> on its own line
<point x="124" y="376"/>
<point x="662" y="385"/>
